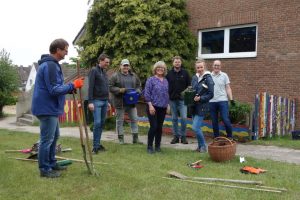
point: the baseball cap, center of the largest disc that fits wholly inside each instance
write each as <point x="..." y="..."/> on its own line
<point x="125" y="62"/>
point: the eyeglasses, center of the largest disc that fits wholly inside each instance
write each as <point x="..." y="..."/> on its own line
<point x="125" y="65"/>
<point x="217" y="65"/>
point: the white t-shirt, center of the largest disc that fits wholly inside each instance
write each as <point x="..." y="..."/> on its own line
<point x="220" y="80"/>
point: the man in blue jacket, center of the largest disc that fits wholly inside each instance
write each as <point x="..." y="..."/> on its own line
<point x="48" y="103"/>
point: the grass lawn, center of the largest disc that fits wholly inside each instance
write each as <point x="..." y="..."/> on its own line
<point x="283" y="141"/>
<point x="133" y="174"/>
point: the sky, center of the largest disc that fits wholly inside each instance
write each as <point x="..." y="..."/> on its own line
<point x="29" y="26"/>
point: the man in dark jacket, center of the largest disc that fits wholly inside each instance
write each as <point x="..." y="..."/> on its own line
<point x="98" y="95"/>
<point x="48" y="103"/>
<point x="179" y="80"/>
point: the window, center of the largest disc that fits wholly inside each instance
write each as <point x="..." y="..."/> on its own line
<point x="229" y="42"/>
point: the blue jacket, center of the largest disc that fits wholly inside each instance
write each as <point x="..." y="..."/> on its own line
<point x="206" y="93"/>
<point x="49" y="89"/>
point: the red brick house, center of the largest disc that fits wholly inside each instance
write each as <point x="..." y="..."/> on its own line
<point x="257" y="41"/>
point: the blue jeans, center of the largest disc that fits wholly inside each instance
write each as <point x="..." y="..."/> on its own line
<point x="197" y="123"/>
<point x="49" y="128"/>
<point x="100" y="109"/>
<point x="223" y="108"/>
<point x="178" y="105"/>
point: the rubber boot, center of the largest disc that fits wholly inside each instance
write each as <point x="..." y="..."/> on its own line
<point x="135" y="139"/>
<point x="121" y="139"/>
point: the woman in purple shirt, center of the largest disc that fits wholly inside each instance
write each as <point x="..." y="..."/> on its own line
<point x="157" y="98"/>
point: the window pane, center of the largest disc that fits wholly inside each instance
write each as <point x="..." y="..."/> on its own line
<point x="242" y="39"/>
<point x="213" y="42"/>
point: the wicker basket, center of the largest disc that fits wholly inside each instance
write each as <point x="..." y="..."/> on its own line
<point x="222" y="149"/>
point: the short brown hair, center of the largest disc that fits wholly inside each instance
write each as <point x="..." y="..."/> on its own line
<point x="102" y="57"/>
<point x="58" y="44"/>
<point x="176" y="58"/>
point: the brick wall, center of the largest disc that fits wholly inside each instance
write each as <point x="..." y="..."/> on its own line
<point x="276" y="69"/>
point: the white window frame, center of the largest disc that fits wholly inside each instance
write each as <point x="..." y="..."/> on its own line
<point x="226" y="53"/>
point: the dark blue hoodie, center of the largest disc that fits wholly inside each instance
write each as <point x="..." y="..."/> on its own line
<point x="49" y="89"/>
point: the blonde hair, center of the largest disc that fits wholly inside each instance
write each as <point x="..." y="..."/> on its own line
<point x="201" y="61"/>
<point x="159" y="64"/>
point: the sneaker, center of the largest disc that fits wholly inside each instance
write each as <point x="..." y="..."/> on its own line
<point x="201" y="149"/>
<point x="51" y="174"/>
<point x="175" y="140"/>
<point x="158" y="149"/>
<point x="59" y="168"/>
<point x="183" y="140"/>
<point x="150" y="150"/>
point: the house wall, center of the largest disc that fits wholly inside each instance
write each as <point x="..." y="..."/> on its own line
<point x="276" y="68"/>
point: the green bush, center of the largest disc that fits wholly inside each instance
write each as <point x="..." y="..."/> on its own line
<point x="110" y="124"/>
<point x="238" y="113"/>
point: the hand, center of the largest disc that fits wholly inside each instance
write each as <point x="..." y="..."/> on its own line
<point x="91" y="106"/>
<point x="232" y="102"/>
<point x="197" y="98"/>
<point x="122" y="90"/>
<point x="108" y="106"/>
<point x="73" y="91"/>
<point x="152" y="110"/>
<point x="78" y="83"/>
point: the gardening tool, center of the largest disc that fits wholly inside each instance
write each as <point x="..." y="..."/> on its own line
<point x="196" y="165"/>
<point x="31" y="151"/>
<point x="21" y="151"/>
<point x="81" y="135"/>
<point x="77" y="160"/>
<point x="275" y="190"/>
<point x="82" y="122"/>
<point x="60" y="162"/>
<point x="181" y="176"/>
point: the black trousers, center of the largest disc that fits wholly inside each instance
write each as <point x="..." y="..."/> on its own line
<point x="156" y="123"/>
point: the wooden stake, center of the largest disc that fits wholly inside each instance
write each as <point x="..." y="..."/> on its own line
<point x="229" y="186"/>
<point x="178" y="175"/>
<point x="77" y="160"/>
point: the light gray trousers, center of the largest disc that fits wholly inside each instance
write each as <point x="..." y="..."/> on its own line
<point x="132" y="113"/>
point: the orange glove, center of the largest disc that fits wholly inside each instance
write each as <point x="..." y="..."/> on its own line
<point x="252" y="170"/>
<point x="78" y="83"/>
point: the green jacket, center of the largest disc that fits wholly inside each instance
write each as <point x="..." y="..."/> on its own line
<point x="116" y="82"/>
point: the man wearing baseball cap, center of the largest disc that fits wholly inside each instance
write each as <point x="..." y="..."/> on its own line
<point x="121" y="82"/>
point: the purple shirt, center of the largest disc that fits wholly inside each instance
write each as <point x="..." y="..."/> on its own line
<point x="156" y="92"/>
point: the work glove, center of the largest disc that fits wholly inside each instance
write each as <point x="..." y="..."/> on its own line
<point x="122" y="90"/>
<point x="232" y="102"/>
<point x="78" y="83"/>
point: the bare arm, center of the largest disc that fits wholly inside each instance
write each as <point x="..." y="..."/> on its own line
<point x="229" y="92"/>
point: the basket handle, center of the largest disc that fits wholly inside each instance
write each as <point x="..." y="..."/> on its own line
<point x="218" y="138"/>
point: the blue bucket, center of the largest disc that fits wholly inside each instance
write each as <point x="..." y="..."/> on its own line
<point x="131" y="96"/>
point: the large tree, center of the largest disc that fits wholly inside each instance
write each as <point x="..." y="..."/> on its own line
<point x="142" y="31"/>
<point x="8" y="81"/>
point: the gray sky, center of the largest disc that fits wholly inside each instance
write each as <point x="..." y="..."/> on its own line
<point x="29" y="26"/>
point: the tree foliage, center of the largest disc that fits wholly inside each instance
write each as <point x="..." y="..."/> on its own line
<point x="140" y="30"/>
<point x="8" y="81"/>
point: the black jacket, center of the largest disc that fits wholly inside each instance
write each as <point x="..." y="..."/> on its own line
<point x="178" y="81"/>
<point x="98" y="84"/>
